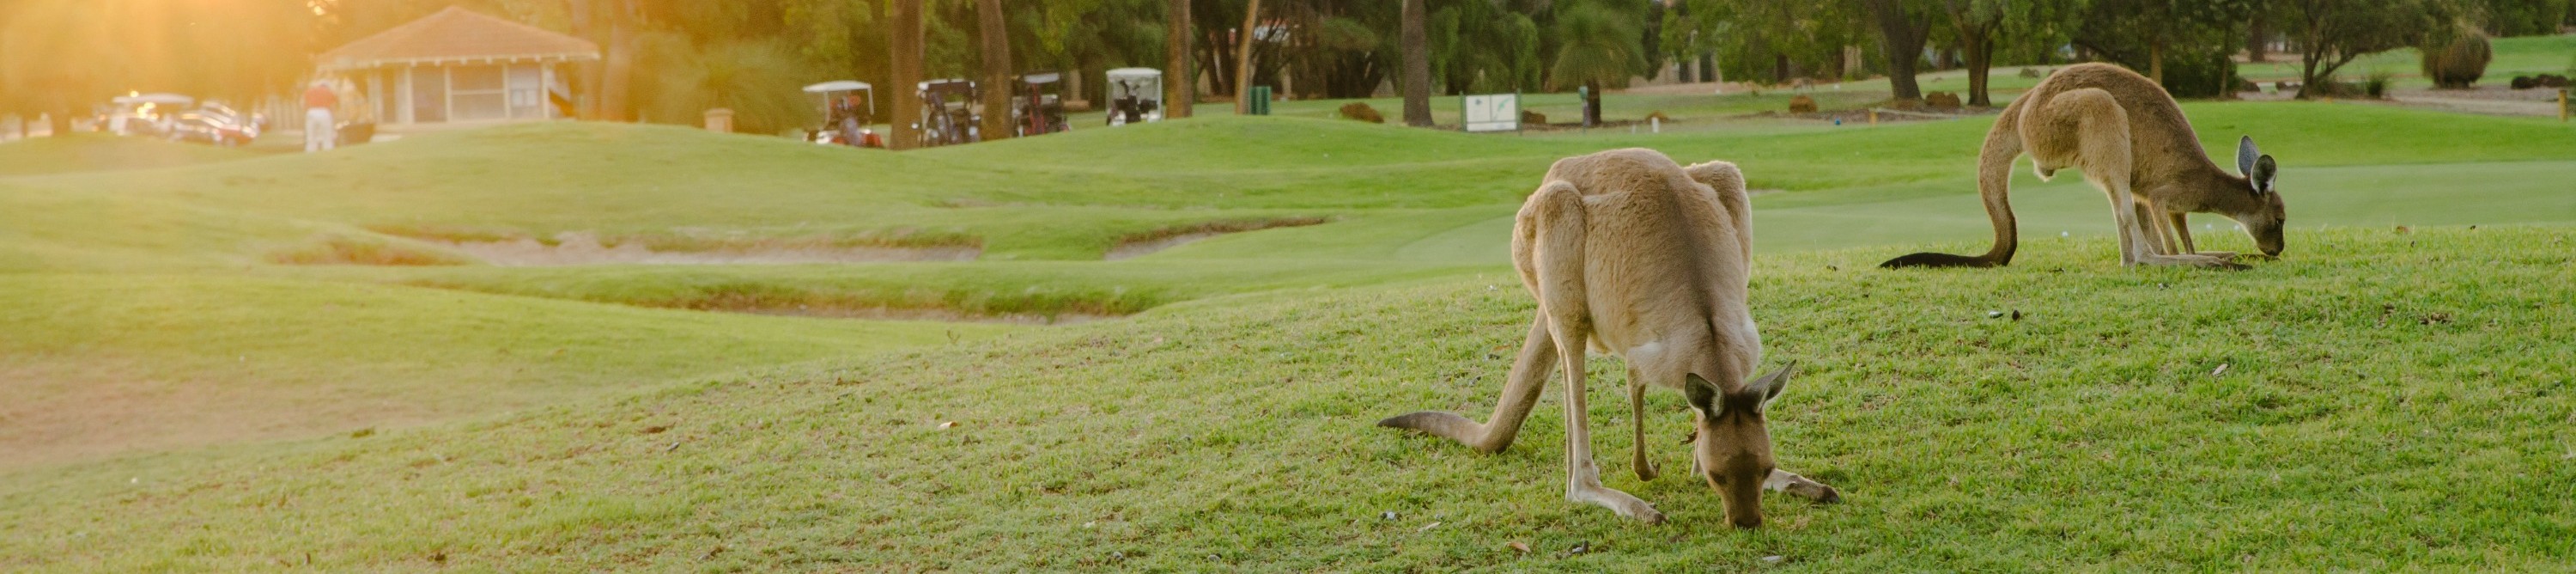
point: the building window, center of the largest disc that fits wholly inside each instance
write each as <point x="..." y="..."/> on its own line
<point x="478" y="93"/>
<point x="527" y="91"/>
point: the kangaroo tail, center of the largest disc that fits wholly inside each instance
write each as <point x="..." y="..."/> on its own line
<point x="1440" y="424"/>
<point x="1994" y="184"/>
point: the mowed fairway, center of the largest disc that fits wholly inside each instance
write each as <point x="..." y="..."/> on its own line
<point x="2389" y="395"/>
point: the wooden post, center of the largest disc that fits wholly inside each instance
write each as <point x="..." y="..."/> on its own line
<point x="1243" y="60"/>
<point x="2562" y="105"/>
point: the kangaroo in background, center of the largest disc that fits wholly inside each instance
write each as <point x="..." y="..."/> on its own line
<point x="1631" y="254"/>
<point x="2131" y="140"/>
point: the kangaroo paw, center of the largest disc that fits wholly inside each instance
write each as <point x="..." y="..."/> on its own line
<point x="1646" y="471"/>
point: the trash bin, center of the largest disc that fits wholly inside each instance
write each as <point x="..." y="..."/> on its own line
<point x="720" y="120"/>
<point x="1260" y="104"/>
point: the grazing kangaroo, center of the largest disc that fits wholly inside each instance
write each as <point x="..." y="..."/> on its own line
<point x="2131" y="140"/>
<point x="1633" y="255"/>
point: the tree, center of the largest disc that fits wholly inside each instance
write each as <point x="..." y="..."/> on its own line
<point x="1480" y="47"/>
<point x="1977" y="22"/>
<point x="2332" y="33"/>
<point x="1180" y="93"/>
<point x="617" y="71"/>
<point x="1903" y="27"/>
<point x="2187" y="46"/>
<point x="905" y="44"/>
<point x="1597" y="46"/>
<point x="1417" y="67"/>
<point x="1243" y="58"/>
<point x="998" y="78"/>
<point x="62" y="56"/>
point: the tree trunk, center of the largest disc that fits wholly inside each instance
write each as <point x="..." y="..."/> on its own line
<point x="2156" y="57"/>
<point x="1902" y="38"/>
<point x="1417" y="67"/>
<point x="585" y="24"/>
<point x="2255" y="39"/>
<point x="998" y="82"/>
<point x="617" y="81"/>
<point x="1179" y="91"/>
<point x="904" y="39"/>
<point x="1980" y="52"/>
<point x="1243" y="59"/>
<point x="57" y="123"/>
<point x="1708" y="68"/>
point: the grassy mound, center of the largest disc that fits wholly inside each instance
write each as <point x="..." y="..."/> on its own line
<point x="2375" y="402"/>
<point x="96" y="152"/>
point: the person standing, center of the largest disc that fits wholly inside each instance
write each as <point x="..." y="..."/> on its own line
<point x="319" y="131"/>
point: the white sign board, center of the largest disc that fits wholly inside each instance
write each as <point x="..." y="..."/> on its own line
<point x="1493" y="113"/>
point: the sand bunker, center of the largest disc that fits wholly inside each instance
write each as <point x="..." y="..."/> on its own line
<point x="585" y="249"/>
<point x="1149" y="243"/>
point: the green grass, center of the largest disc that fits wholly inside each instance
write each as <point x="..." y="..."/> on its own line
<point x="2519" y="56"/>
<point x="200" y="380"/>
<point x="103" y="364"/>
<point x="94" y="152"/>
<point x="2365" y="420"/>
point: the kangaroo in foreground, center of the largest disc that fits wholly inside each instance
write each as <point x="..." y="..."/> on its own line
<point x="2131" y="140"/>
<point x="1631" y="254"/>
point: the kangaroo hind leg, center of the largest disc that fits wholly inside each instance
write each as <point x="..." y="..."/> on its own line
<point x="1520" y="392"/>
<point x="1555" y="217"/>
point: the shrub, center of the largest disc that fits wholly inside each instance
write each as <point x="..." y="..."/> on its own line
<point x="2377" y="86"/>
<point x="1362" y="112"/>
<point x="1802" y="105"/>
<point x="2456" y="60"/>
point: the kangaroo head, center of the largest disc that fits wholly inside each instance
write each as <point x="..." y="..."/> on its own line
<point x="2264" y="222"/>
<point x="1730" y="448"/>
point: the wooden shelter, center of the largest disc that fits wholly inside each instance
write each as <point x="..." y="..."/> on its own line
<point x="458" y="66"/>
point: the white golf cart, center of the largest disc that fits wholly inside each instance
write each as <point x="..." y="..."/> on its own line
<point x="1135" y="95"/>
<point x="145" y="114"/>
<point x="848" y="108"/>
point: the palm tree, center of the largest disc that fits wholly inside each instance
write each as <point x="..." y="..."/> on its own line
<point x="1596" y="47"/>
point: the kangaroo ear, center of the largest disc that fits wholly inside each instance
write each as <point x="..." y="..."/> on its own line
<point x="2264" y="170"/>
<point x="1701" y="393"/>
<point x="2245" y="154"/>
<point x="1770" y="385"/>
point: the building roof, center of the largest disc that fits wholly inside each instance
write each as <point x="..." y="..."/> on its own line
<point x="457" y="35"/>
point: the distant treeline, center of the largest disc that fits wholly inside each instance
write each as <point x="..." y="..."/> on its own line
<point x="667" y="60"/>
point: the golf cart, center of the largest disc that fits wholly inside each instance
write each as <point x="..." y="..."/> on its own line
<point x="948" y="113"/>
<point x="144" y="114"/>
<point x="1037" y="107"/>
<point x="215" y="123"/>
<point x="848" y="108"/>
<point x="1135" y="95"/>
